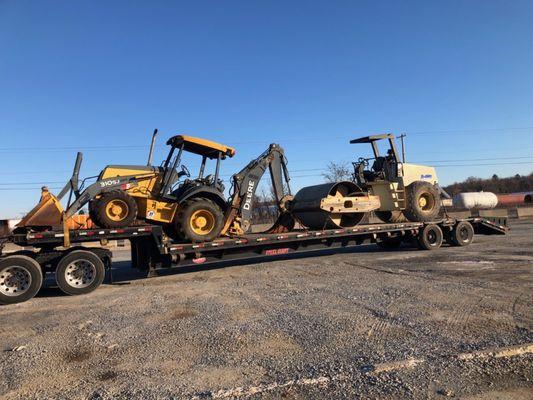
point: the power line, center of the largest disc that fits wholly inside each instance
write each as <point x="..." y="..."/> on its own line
<point x="284" y="139"/>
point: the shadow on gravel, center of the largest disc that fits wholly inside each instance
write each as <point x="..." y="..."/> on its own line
<point x="122" y="273"/>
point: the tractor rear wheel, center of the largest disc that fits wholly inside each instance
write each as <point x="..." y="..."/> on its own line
<point x="423" y="202"/>
<point x="199" y="220"/>
<point x="115" y="209"/>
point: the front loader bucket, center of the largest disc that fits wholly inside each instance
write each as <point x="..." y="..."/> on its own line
<point x="48" y="212"/>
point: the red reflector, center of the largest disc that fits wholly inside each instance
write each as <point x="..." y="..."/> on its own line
<point x="275" y="252"/>
<point x="200" y="260"/>
<point x="120" y="231"/>
<point x="38" y="236"/>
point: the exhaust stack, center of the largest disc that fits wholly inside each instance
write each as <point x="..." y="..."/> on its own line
<point x="152" y="145"/>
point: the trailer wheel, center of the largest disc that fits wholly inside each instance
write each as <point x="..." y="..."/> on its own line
<point x="21" y="278"/>
<point x="462" y="234"/>
<point x="422" y="202"/>
<point x="390" y="243"/>
<point x="115" y="209"/>
<point x="79" y="272"/>
<point x="430" y="237"/>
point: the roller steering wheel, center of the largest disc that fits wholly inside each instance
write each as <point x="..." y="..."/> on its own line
<point x="185" y="171"/>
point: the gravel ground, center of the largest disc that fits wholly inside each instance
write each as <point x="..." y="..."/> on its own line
<point x="457" y="322"/>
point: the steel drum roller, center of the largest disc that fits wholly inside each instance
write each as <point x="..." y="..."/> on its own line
<point x="306" y="206"/>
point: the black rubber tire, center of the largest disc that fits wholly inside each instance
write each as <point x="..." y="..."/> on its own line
<point x="31" y="267"/>
<point x="391" y="217"/>
<point x="100" y="215"/>
<point x="430" y="237"/>
<point x="390" y="244"/>
<point x="93" y="206"/>
<point x="186" y="210"/>
<point x="416" y="213"/>
<point x="462" y="234"/>
<point x="68" y="283"/>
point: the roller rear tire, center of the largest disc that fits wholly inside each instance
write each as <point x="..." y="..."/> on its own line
<point x="422" y="202"/>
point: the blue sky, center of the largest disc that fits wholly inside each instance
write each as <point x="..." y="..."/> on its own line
<point x="100" y="76"/>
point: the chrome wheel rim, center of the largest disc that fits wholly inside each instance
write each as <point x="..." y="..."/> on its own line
<point x="80" y="273"/>
<point x="14" y="281"/>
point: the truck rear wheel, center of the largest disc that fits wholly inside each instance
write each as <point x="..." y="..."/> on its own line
<point x="423" y="202"/>
<point x="199" y="220"/>
<point x="115" y="209"/>
<point x="79" y="272"/>
<point x="21" y="278"/>
<point x="462" y="234"/>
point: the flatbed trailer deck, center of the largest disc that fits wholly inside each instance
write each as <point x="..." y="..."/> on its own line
<point x="80" y="269"/>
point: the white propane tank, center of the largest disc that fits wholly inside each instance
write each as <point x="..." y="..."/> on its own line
<point x="471" y="200"/>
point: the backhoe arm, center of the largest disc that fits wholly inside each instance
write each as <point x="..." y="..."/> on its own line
<point x="245" y="183"/>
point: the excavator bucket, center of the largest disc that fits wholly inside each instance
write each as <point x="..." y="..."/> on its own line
<point x="48" y="212"/>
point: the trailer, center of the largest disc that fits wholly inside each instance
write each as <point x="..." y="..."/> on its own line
<point x="80" y="269"/>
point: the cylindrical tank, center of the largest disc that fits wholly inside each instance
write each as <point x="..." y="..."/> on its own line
<point x="471" y="200"/>
<point x="306" y="206"/>
<point x="511" y="199"/>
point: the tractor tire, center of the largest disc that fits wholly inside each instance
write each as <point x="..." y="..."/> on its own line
<point x="391" y="217"/>
<point x="21" y="278"/>
<point x="423" y="202"/>
<point x="93" y="207"/>
<point x="115" y="209"/>
<point x="199" y="220"/>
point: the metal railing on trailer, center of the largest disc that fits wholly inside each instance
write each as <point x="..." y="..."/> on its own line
<point x="79" y="269"/>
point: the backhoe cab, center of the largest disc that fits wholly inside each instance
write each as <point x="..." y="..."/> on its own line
<point x="405" y="190"/>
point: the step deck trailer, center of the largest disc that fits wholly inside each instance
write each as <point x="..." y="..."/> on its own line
<point x="80" y="269"/>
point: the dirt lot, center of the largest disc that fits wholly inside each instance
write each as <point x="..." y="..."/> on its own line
<point x="457" y="322"/>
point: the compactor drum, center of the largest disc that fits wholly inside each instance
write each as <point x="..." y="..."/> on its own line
<point x="332" y="205"/>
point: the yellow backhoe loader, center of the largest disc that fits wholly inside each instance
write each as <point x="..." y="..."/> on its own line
<point x="189" y="209"/>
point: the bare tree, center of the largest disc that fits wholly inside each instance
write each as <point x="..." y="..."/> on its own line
<point x="337" y="172"/>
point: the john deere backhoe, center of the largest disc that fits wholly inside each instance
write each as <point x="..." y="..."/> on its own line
<point x="189" y="209"/>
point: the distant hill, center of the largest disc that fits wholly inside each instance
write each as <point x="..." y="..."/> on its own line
<point x="513" y="184"/>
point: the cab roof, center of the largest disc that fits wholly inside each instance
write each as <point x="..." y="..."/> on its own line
<point x="373" y="138"/>
<point x="201" y="147"/>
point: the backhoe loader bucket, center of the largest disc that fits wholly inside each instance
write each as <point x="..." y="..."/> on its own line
<point x="48" y="212"/>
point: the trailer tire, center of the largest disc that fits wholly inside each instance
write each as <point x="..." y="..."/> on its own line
<point x="79" y="272"/>
<point x="199" y="220"/>
<point x="422" y="202"/>
<point x="21" y="278"/>
<point x="430" y="237"/>
<point x="115" y="209"/>
<point x="462" y="234"/>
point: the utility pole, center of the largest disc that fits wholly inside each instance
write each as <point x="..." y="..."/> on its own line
<point x="403" y="146"/>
